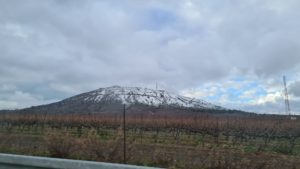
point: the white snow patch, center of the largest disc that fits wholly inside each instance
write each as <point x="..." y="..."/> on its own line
<point x="131" y="95"/>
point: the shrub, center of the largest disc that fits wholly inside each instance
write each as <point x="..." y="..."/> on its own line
<point x="59" y="144"/>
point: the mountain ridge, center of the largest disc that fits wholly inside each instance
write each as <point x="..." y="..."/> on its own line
<point x="151" y="97"/>
<point x="111" y="100"/>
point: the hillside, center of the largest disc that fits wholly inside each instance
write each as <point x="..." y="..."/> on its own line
<point x="137" y="99"/>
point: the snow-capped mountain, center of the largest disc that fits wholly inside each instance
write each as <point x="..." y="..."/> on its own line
<point x="139" y="95"/>
<point x="111" y="100"/>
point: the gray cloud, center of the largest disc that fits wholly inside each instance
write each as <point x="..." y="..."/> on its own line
<point x="295" y="88"/>
<point x="277" y="107"/>
<point x="54" y="49"/>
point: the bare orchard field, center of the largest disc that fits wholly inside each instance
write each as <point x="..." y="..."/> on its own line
<point x="200" y="141"/>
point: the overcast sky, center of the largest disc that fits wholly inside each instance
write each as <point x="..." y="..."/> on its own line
<point x="229" y="52"/>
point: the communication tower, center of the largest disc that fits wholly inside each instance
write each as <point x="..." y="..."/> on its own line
<point x="286" y="101"/>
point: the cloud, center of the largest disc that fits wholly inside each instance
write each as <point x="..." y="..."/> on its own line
<point x="55" y="49"/>
<point x="295" y="88"/>
<point x="12" y="98"/>
<point x="264" y="96"/>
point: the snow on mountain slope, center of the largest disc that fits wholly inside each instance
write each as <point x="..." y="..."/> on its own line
<point x="132" y="95"/>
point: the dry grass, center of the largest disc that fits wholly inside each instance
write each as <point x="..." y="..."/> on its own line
<point x="172" y="142"/>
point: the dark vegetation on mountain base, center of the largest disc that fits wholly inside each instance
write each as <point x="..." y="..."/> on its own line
<point x="134" y="109"/>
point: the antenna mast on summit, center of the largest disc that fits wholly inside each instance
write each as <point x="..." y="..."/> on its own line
<point x="286" y="98"/>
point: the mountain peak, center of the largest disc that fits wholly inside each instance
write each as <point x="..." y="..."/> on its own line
<point x="145" y="96"/>
<point x="110" y="100"/>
